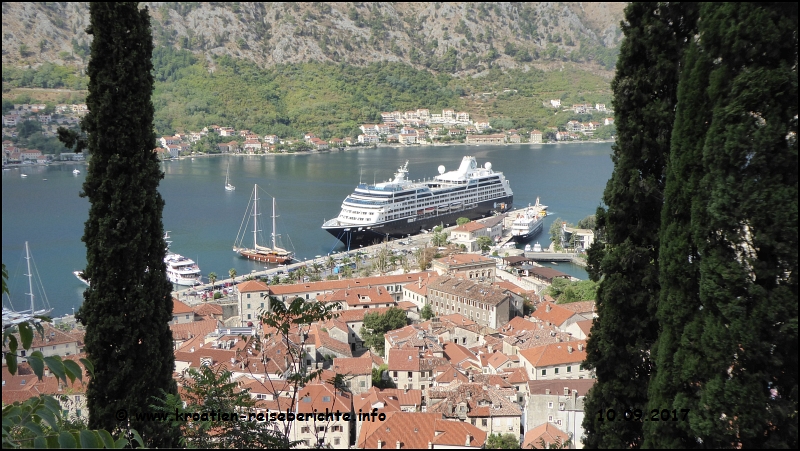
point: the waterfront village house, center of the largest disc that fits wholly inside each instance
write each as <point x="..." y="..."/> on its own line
<point x="551" y="435"/>
<point x="404" y="368"/>
<point x="608" y="121"/>
<point x="181" y="313"/>
<point x="55" y="342"/>
<point x="418" y="292"/>
<point x="387" y="400"/>
<point x="486" y="139"/>
<point x="556" y="361"/>
<point x="556" y="103"/>
<point x="329" y="432"/>
<point x="251" y="293"/>
<point x="557" y="402"/>
<point x="418" y="430"/>
<point x="467" y="234"/>
<point x="490" y="408"/>
<point x="25" y="385"/>
<point x="536" y="137"/>
<point x="583" y="238"/>
<point x="252" y="146"/>
<point x="360" y="298"/>
<point x="552" y="313"/>
<point x="485" y="304"/>
<point x="357" y="372"/>
<point x="467" y="266"/>
<point x="514" y="138"/>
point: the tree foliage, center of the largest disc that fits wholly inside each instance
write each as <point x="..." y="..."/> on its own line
<point x="128" y="307"/>
<point x="376" y="325"/>
<point x="207" y="390"/>
<point x="565" y="291"/>
<point x="502" y="441"/>
<point x="427" y="312"/>
<point x="625" y="263"/>
<point x="728" y="308"/>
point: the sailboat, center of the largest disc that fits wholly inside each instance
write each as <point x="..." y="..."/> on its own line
<point x="262" y="253"/>
<point x="12" y="317"/>
<point x="228" y="186"/>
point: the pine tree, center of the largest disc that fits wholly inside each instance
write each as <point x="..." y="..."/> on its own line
<point x="644" y="96"/>
<point x="735" y="349"/>
<point x="128" y="306"/>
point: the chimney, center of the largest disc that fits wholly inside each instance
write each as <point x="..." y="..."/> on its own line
<point x="405" y="391"/>
<point x="547" y="308"/>
<point x="469" y="439"/>
<point x="380" y="444"/>
<point x="192" y="350"/>
<point x="580" y="347"/>
<point x="398" y="444"/>
<point x="546" y="391"/>
<point x="419" y="282"/>
<point x="569" y="349"/>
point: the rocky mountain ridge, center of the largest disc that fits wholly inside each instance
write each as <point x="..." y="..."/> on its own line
<point x="456" y="38"/>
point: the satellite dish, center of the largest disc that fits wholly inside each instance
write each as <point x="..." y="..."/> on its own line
<point x="488" y="166"/>
<point x="441" y="169"/>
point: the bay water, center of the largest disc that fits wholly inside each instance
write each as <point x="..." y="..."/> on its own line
<point x="204" y="219"/>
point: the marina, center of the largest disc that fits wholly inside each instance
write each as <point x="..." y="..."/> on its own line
<point x="308" y="187"/>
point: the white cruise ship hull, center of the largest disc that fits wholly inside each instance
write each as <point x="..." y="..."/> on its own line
<point x="354" y="235"/>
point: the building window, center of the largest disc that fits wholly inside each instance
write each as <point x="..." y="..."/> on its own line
<point x="556" y="370"/>
<point x="78" y="413"/>
<point x="409" y="374"/>
<point x="484" y="422"/>
<point x="248" y="295"/>
<point x="248" y="306"/>
<point x="305" y="430"/>
<point x="320" y="428"/>
<point x="362" y="384"/>
<point x="549" y="405"/>
<point x="544" y="372"/>
<point x="550" y="418"/>
<point x="326" y="399"/>
<point x="336" y="441"/>
<point x="395" y="374"/>
<point x="262" y="305"/>
<point x="248" y="316"/>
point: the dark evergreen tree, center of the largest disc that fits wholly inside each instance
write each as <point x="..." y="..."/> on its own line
<point x="626" y="263"/>
<point x="678" y="258"/>
<point x="128" y="306"/>
<point x="735" y="348"/>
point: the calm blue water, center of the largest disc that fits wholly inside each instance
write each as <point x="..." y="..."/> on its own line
<point x="203" y="218"/>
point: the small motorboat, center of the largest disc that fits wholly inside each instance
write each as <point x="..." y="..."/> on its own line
<point x="76" y="171"/>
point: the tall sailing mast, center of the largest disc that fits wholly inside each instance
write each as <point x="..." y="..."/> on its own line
<point x="30" y="275"/>
<point x="274" y="247"/>
<point x="255" y="217"/>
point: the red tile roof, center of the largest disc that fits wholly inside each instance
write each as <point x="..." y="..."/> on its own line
<point x="186" y="331"/>
<point x="333" y="285"/>
<point x="416" y="430"/>
<point x="251" y="286"/>
<point x="556" y="353"/>
<point x="552" y="313"/>
<point x="547" y="432"/>
<point x="323" y="396"/>
<point x="179" y="307"/>
<point x="352" y="366"/>
<point x="403" y="360"/>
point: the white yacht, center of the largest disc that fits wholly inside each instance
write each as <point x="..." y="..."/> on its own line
<point x="537" y="247"/>
<point x="401" y="207"/>
<point x="13" y="317"/>
<point x="182" y="270"/>
<point x="76" y="171"/>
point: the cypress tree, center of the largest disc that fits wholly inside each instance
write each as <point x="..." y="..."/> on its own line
<point x="735" y="359"/>
<point x="644" y="98"/>
<point x="128" y="306"/>
<point x="678" y="258"/>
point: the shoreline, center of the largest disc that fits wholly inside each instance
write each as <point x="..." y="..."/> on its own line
<point x="342" y="149"/>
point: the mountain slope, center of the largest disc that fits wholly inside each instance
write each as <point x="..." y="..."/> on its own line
<point x="455" y="38"/>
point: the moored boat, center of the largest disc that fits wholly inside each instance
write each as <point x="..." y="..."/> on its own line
<point x="391" y="209"/>
<point x="258" y="252"/>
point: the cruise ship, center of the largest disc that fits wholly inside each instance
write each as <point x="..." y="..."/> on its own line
<point x="401" y="207"/>
<point x="527" y="222"/>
